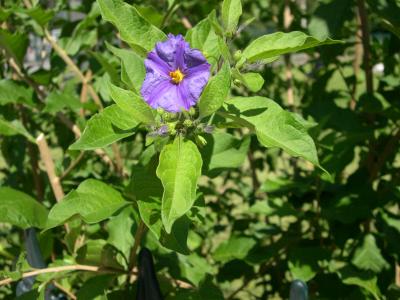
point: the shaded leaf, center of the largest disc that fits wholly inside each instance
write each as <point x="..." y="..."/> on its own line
<point x="20" y="209"/>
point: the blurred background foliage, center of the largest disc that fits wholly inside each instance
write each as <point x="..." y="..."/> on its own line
<point x="268" y="218"/>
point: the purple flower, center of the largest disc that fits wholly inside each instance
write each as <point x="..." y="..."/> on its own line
<point x="175" y="75"/>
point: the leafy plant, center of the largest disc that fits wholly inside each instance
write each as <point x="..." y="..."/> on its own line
<point x="250" y="145"/>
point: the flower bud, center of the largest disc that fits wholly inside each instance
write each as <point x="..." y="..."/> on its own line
<point x="192" y="111"/>
<point x="188" y="123"/>
<point x="160" y="111"/>
<point x="237" y="55"/>
<point x="200" y="141"/>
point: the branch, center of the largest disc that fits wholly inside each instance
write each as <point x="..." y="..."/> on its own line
<point x="365" y="41"/>
<point x="50" y="169"/>
<point x="72" y="165"/>
<point x="60" y="269"/>
<point x="138" y="238"/>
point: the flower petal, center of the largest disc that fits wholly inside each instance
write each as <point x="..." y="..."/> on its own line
<point x="154" y="63"/>
<point x="171" y="51"/>
<point x="153" y="85"/>
<point x="194" y="84"/>
<point x="194" y="57"/>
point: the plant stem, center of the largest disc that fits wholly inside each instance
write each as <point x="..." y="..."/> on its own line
<point x="60" y="269"/>
<point x="141" y="229"/>
<point x="365" y="41"/>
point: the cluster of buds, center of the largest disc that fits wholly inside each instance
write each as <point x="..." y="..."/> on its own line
<point x="185" y="122"/>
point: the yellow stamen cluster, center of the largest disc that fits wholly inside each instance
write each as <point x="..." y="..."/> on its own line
<point x="176" y="76"/>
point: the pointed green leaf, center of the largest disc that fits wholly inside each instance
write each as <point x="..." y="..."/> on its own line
<point x="179" y="170"/>
<point x="231" y="12"/>
<point x="20" y="209"/>
<point x="279" y="43"/>
<point x="203" y="37"/>
<point x="366" y="280"/>
<point x="132" y="104"/>
<point x="368" y="256"/>
<point x="132" y="67"/>
<point x="13" y="128"/>
<point x="133" y="28"/>
<point x="224" y="151"/>
<point x="93" y="201"/>
<point x="105" y="128"/>
<point x="15" y="45"/>
<point x="11" y="92"/>
<point x="147" y="190"/>
<point x="215" y="92"/>
<point x="237" y="247"/>
<point x="253" y="81"/>
<point x="274" y="126"/>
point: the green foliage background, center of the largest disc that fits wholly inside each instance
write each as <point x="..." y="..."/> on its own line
<point x="260" y="217"/>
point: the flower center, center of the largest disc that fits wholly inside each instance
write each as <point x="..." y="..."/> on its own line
<point x="176" y="76"/>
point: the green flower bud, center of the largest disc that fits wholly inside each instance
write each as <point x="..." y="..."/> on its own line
<point x="200" y="141"/>
<point x="192" y="111"/>
<point x="237" y="55"/>
<point x="188" y="123"/>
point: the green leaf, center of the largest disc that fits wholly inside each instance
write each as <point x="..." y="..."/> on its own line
<point x="303" y="262"/>
<point x="105" y="128"/>
<point x="203" y="37"/>
<point x="14" y="127"/>
<point x="122" y="239"/>
<point x="93" y="201"/>
<point x="368" y="256"/>
<point x="215" y="92"/>
<point x="237" y="247"/>
<point x="224" y="151"/>
<point x="179" y="170"/>
<point x="42" y="17"/>
<point x="20" y="209"/>
<point x="147" y="189"/>
<point x="231" y="12"/>
<point x="133" y="71"/>
<point x="274" y="126"/>
<point x="253" y="81"/>
<point x="11" y="92"/>
<point x="95" y="288"/>
<point x="133" y="28"/>
<point x="279" y="43"/>
<point x="365" y="280"/>
<point x="15" y="45"/>
<point x="132" y="104"/>
<point x="56" y="101"/>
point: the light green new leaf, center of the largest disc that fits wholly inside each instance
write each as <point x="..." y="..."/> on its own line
<point x="132" y="104"/>
<point x="231" y="12"/>
<point x="237" y="247"/>
<point x="253" y="81"/>
<point x="13" y="128"/>
<point x="203" y="37"/>
<point x="133" y="71"/>
<point x="105" y="128"/>
<point x="279" y="43"/>
<point x="179" y="170"/>
<point x="368" y="256"/>
<point x="133" y="28"/>
<point x="20" y="209"/>
<point x="215" y="92"/>
<point x="93" y="201"/>
<point x="274" y="126"/>
<point x="11" y="92"/>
